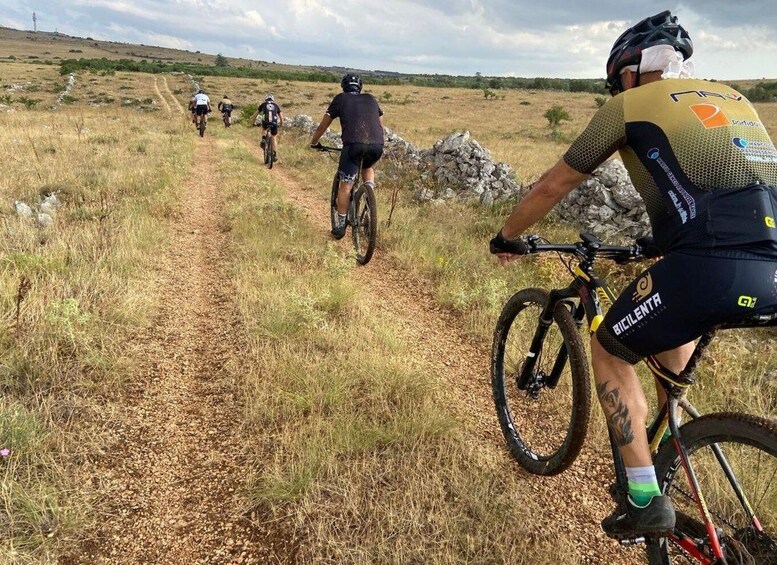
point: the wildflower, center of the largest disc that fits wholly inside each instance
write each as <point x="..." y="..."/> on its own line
<point x="5" y="452"/>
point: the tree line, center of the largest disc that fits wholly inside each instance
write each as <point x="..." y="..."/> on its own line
<point x="320" y="75"/>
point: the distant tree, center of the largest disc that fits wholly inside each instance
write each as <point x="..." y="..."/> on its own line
<point x="221" y="61"/>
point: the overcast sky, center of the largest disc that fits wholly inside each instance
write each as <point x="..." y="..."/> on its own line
<point x="557" y="38"/>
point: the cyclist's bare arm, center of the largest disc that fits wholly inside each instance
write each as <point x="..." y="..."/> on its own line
<point x="280" y="119"/>
<point x="326" y="121"/>
<point x="552" y="186"/>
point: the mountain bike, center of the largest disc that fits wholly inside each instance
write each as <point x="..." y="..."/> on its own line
<point x="362" y="213"/>
<point x="267" y="151"/>
<point x="720" y="469"/>
<point x="226" y="117"/>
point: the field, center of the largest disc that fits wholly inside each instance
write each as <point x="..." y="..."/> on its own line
<point x="191" y="370"/>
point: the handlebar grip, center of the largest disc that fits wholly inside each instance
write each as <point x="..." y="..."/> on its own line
<point x="499" y="244"/>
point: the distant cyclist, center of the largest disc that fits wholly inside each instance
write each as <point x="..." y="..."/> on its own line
<point x="226" y="107"/>
<point x="702" y="161"/>
<point x="201" y="106"/>
<point x="361" y="120"/>
<point x="272" y="119"/>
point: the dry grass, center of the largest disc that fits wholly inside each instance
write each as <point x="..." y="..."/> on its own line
<point x="354" y="449"/>
<point x="70" y="297"/>
<point x="358" y="454"/>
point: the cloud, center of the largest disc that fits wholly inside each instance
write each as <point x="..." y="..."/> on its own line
<point x="495" y="37"/>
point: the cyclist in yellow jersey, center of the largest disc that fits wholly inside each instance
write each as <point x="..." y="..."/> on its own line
<point x="706" y="168"/>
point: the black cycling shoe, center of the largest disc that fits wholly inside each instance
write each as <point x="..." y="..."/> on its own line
<point x="657" y="517"/>
<point x="339" y="231"/>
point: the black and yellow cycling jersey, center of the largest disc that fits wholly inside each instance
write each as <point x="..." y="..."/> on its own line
<point x="700" y="158"/>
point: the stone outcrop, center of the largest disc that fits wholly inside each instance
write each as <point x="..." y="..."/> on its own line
<point x="71" y="83"/>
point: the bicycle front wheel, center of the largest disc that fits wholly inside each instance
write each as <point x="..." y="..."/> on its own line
<point x="365" y="223"/>
<point x="734" y="457"/>
<point x="544" y="422"/>
<point x="333" y="202"/>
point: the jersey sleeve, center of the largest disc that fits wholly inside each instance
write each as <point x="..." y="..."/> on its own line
<point x="605" y="134"/>
<point x="334" y="108"/>
<point x="261" y="107"/>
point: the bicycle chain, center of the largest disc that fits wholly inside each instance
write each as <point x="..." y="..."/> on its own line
<point x="741" y="552"/>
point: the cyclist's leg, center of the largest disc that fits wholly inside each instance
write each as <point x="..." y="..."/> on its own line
<point x="370" y="156"/>
<point x="274" y="137"/>
<point x="348" y="170"/>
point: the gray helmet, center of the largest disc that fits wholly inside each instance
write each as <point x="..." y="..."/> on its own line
<point x="270" y="97"/>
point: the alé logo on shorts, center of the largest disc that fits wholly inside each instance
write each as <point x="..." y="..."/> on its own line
<point x="710" y="115"/>
<point x="649" y="303"/>
<point x="747" y="301"/>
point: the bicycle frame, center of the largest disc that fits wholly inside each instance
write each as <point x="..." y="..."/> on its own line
<point x="592" y="293"/>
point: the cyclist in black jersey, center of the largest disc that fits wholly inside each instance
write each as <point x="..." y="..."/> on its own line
<point x="362" y="122"/>
<point x="272" y="119"/>
<point x="706" y="168"/>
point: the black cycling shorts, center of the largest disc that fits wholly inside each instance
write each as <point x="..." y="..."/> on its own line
<point x="684" y="295"/>
<point x="355" y="154"/>
<point x="201" y="109"/>
<point x="272" y="126"/>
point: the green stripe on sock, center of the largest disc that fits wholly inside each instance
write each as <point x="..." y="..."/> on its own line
<point x="642" y="493"/>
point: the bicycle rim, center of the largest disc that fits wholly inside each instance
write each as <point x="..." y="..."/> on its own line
<point x="749" y="445"/>
<point x="365" y="224"/>
<point x="544" y="427"/>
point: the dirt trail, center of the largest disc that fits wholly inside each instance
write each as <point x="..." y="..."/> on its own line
<point x="173" y="479"/>
<point x="437" y="335"/>
<point x="162" y="98"/>
<point x="172" y="96"/>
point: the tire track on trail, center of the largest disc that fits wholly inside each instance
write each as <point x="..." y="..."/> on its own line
<point x="162" y="98"/>
<point x="579" y="496"/>
<point x="174" y="476"/>
<point x="171" y="95"/>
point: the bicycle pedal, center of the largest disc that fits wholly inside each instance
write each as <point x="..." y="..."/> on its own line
<point x="628" y="542"/>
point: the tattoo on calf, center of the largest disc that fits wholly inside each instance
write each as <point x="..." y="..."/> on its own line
<point x="617" y="414"/>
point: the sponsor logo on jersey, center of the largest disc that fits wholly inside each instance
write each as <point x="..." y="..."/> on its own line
<point x="756" y="151"/>
<point x="654" y="154"/>
<point x="639" y="313"/>
<point x="710" y="115"/>
<point x="747" y="123"/>
<point x="770" y="223"/>
<point x="644" y="288"/>
<point x="747" y="301"/>
<point x="706" y="94"/>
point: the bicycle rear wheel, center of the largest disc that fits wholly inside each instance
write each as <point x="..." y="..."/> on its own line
<point x="202" y="128"/>
<point x="365" y="223"/>
<point x="749" y="445"/>
<point x="545" y="425"/>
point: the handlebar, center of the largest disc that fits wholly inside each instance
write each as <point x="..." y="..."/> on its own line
<point x="589" y="247"/>
<point x="326" y="149"/>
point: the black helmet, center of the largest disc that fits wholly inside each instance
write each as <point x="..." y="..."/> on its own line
<point x="200" y="91"/>
<point x="661" y="29"/>
<point x="351" y="83"/>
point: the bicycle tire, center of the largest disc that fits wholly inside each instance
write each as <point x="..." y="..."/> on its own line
<point x="270" y="156"/>
<point x="750" y="446"/>
<point x="568" y="403"/>
<point x="365" y="223"/>
<point x="333" y="202"/>
<point x="202" y="128"/>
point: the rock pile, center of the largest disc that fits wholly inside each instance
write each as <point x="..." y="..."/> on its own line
<point x="43" y="212"/>
<point x="607" y="205"/>
<point x="465" y="171"/>
<point x="71" y="82"/>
